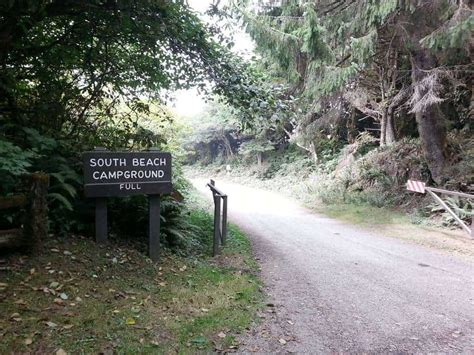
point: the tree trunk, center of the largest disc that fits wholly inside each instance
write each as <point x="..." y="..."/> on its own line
<point x="314" y="155"/>
<point x="228" y="147"/>
<point x="383" y="125"/>
<point x="430" y="120"/>
<point x="259" y="159"/>
<point x="389" y="128"/>
<point x="352" y="127"/>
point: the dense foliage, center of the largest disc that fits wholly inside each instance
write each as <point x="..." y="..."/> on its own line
<point x="75" y="75"/>
<point x="396" y="68"/>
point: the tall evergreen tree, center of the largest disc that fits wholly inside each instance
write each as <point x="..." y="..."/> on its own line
<point x="381" y="56"/>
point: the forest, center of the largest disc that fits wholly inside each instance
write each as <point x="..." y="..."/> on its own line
<point x="370" y="94"/>
<point x="339" y="103"/>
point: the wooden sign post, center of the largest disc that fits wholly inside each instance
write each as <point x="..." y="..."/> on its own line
<point x="109" y="174"/>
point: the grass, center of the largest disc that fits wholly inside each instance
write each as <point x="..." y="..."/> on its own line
<point x="363" y="214"/>
<point x="83" y="299"/>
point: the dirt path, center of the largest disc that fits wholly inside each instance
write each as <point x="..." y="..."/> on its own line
<point x="336" y="288"/>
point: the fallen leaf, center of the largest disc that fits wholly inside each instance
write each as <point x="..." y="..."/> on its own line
<point x="54" y="250"/>
<point x="204" y="310"/>
<point x="183" y="268"/>
<point x="28" y="341"/>
<point x="290" y="322"/>
<point x="67" y="252"/>
<point x="78" y="299"/>
<point x="20" y="302"/>
<point x="155" y="343"/>
<point x="68" y="326"/>
<point x="130" y="321"/>
<point x="51" y="324"/>
<point x="2" y="284"/>
<point x="61" y="352"/>
<point x="63" y="296"/>
<point x="282" y="341"/>
<point x="54" y="284"/>
<point x="58" y="301"/>
<point x="221" y="335"/>
<point x="32" y="271"/>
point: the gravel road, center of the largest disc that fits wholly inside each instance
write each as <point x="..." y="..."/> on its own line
<point x="333" y="287"/>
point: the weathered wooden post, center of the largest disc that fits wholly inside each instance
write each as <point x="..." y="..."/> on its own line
<point x="154" y="202"/>
<point x="36" y="219"/>
<point x="101" y="220"/>
<point x="101" y="215"/>
<point x="224" y="220"/>
<point x="154" y="227"/>
<point x="220" y="224"/>
<point x="217" y="224"/>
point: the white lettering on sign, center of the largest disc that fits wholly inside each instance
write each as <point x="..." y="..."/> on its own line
<point x="128" y="174"/>
<point x="130" y="186"/>
<point x="100" y="162"/>
<point x="148" y="162"/>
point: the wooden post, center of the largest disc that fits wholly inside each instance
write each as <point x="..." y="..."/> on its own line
<point x="224" y="220"/>
<point x="36" y="218"/>
<point x="154" y="227"/>
<point x="101" y="223"/>
<point x="472" y="226"/>
<point x="217" y="227"/>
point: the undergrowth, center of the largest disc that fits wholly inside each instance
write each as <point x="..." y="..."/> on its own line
<point x="81" y="298"/>
<point x="361" y="176"/>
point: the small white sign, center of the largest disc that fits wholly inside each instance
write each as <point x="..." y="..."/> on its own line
<point x="416" y="186"/>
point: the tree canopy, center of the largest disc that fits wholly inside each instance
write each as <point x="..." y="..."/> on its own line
<point x="390" y="60"/>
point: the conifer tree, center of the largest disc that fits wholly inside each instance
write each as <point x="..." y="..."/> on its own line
<point x="381" y="56"/>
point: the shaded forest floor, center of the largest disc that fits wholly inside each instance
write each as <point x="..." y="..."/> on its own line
<point x="76" y="297"/>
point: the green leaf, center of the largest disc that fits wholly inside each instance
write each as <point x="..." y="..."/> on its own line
<point x="63" y="200"/>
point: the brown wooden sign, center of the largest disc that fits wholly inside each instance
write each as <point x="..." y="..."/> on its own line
<point x="126" y="173"/>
